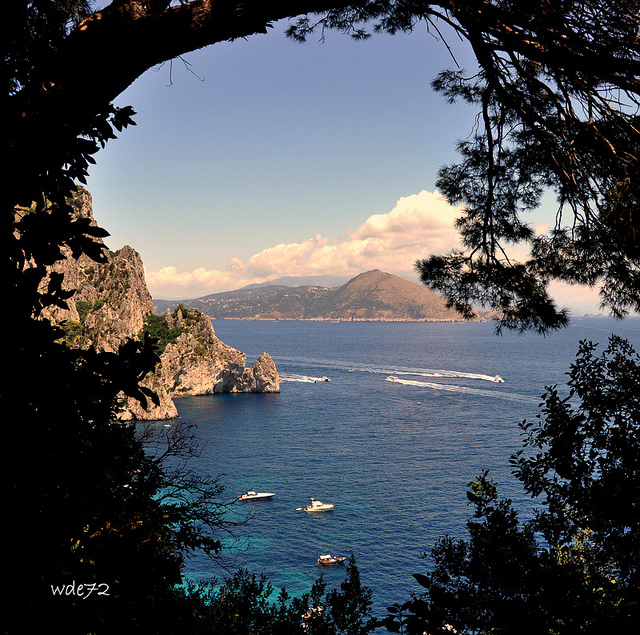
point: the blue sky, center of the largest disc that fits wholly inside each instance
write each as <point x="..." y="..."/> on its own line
<point x="264" y="157"/>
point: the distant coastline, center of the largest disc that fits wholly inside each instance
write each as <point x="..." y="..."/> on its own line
<point x="372" y="296"/>
<point x="340" y="321"/>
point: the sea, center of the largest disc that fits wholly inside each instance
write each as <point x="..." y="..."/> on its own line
<point x="390" y="422"/>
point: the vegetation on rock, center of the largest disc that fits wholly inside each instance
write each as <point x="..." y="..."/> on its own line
<point x="155" y="327"/>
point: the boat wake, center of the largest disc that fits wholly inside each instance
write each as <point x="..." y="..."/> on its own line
<point x="392" y="374"/>
<point x="463" y="389"/>
<point x="368" y="368"/>
<point x="453" y="373"/>
<point x="305" y="379"/>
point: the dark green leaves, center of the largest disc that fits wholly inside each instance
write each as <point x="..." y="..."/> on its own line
<point x="520" y="299"/>
<point x="423" y="580"/>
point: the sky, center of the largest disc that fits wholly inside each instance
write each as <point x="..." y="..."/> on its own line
<point x="263" y="158"/>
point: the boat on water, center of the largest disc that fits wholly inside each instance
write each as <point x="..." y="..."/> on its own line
<point x="318" y="506"/>
<point x="498" y="379"/>
<point x="329" y="559"/>
<point x="251" y="495"/>
<point x="392" y="378"/>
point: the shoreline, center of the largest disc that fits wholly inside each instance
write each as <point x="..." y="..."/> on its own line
<point x="341" y="321"/>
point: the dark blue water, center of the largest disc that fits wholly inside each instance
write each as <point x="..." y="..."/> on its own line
<point x="395" y="457"/>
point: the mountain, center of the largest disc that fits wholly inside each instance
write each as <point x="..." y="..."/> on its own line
<point x="373" y="295"/>
<point x="302" y="281"/>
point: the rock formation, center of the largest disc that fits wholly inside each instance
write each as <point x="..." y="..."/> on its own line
<point x="112" y="304"/>
<point x="198" y="363"/>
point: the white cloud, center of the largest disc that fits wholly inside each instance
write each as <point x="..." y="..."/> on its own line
<point x="426" y="215"/>
<point x="289" y="258"/>
<point x="418" y="225"/>
<point x="168" y="281"/>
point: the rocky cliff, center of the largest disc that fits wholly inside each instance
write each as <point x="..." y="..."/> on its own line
<point x="111" y="304"/>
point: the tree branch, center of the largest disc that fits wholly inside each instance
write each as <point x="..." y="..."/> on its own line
<point x="113" y="47"/>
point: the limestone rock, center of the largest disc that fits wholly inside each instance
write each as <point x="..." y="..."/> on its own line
<point x="166" y="409"/>
<point x="265" y="374"/>
<point x="199" y="363"/>
<point x="111" y="304"/>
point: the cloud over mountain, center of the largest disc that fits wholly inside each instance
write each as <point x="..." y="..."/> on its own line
<point x="419" y="225"/>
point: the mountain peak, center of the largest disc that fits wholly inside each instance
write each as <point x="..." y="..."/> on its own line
<point x="371" y="295"/>
<point x="374" y="277"/>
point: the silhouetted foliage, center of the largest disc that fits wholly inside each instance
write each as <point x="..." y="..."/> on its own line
<point x="350" y="608"/>
<point x="245" y="605"/>
<point x="90" y="543"/>
<point x="575" y="566"/>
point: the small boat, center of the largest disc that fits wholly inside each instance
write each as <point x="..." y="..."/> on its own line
<point x="392" y="378"/>
<point x="251" y="495"/>
<point x="318" y="506"/>
<point x="329" y="559"/>
<point x="498" y="379"/>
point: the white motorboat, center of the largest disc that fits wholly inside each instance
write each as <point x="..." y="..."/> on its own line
<point x="318" y="506"/>
<point x="392" y="378"/>
<point x="498" y="379"/>
<point x="329" y="559"/>
<point x="251" y="495"/>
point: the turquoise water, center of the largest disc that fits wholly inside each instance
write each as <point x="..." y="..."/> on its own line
<point x="395" y="457"/>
